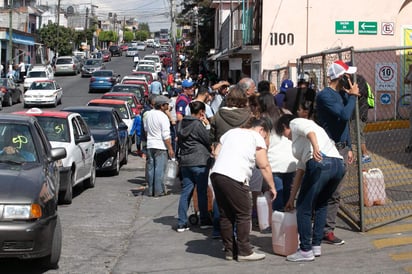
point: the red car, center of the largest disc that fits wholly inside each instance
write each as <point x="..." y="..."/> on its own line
<point x="124" y="47"/>
<point x="146" y="74"/>
<point x="138" y="83"/>
<point x="129" y="97"/>
<point x="106" y="56"/>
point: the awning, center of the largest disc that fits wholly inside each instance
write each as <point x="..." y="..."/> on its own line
<point x="214" y="56"/>
<point x="21" y="39"/>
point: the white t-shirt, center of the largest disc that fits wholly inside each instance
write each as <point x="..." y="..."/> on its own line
<point x="280" y="154"/>
<point x="157" y="126"/>
<point x="301" y="146"/>
<point x="208" y="110"/>
<point x="237" y="155"/>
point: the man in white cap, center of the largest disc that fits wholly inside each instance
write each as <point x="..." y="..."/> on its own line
<point x="334" y="108"/>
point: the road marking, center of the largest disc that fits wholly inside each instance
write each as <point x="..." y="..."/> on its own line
<point x="381" y="243"/>
<point x="401" y="256"/>
<point x="391" y="229"/>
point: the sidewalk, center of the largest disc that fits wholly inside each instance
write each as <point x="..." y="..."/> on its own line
<point x="155" y="246"/>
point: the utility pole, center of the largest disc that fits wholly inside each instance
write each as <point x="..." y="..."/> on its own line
<point x="10" y="51"/>
<point x="57" y="31"/>
<point x="173" y="33"/>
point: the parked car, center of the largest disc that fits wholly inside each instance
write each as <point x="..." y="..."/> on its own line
<point x="137" y="82"/>
<point x="138" y="90"/>
<point x="11" y="92"/>
<point x="106" y="56"/>
<point x="148" y="68"/>
<point x="29" y="184"/>
<point x="69" y="130"/>
<point x="91" y="65"/>
<point x="109" y="133"/>
<point x="125" y="111"/>
<point x="43" y="92"/>
<point x="38" y="72"/>
<point x="131" y="51"/>
<point x="146" y="74"/>
<point x="130" y="97"/>
<point x="66" y="65"/>
<point x="103" y="80"/>
<point x="155" y="58"/>
<point x="124" y="47"/>
<point x="141" y="46"/>
<point x="115" y="50"/>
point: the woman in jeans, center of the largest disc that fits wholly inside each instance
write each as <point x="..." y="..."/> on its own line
<point x="194" y="153"/>
<point x="238" y="152"/>
<point x="320" y="168"/>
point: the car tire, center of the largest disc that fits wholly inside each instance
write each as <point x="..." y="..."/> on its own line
<point x="126" y="155"/>
<point x="55" y="102"/>
<point x="91" y="181"/>
<point x="67" y="196"/>
<point x="117" y="164"/>
<point x="52" y="260"/>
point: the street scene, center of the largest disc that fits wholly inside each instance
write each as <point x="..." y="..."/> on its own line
<point x="201" y="140"/>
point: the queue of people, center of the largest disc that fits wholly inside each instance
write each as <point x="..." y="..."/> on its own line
<point x="241" y="140"/>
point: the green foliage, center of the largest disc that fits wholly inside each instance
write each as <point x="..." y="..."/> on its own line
<point x="58" y="37"/>
<point x="128" y="36"/>
<point x="144" y="26"/>
<point x="108" y="36"/>
<point x="142" y="35"/>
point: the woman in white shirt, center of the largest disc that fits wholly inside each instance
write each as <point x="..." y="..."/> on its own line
<point x="320" y="168"/>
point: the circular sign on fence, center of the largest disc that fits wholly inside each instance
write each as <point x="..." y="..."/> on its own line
<point x="385" y="76"/>
<point x="386" y="73"/>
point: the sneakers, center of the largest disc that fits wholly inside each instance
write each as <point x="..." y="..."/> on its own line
<point x="252" y="257"/>
<point x="330" y="238"/>
<point x="206" y="225"/>
<point x="301" y="256"/>
<point x="228" y="255"/>
<point x="366" y="159"/>
<point x="317" y="251"/>
<point x="182" y="228"/>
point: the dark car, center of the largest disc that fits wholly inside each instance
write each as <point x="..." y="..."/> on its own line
<point x="91" y="65"/>
<point x="103" y="80"/>
<point x="110" y="136"/>
<point x="29" y="185"/>
<point x="115" y="51"/>
<point x="11" y="92"/>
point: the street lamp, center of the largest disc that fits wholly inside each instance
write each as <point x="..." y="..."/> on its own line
<point x="11" y="34"/>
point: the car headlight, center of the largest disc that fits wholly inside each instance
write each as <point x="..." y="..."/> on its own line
<point x="105" y="145"/>
<point x="24" y="212"/>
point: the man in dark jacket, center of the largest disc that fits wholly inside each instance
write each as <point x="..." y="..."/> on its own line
<point x="194" y="153"/>
<point x="301" y="95"/>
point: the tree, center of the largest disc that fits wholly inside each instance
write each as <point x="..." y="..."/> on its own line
<point x="58" y="38"/>
<point x="128" y="36"/>
<point x="142" y="35"/>
<point x="144" y="26"/>
<point x="108" y="36"/>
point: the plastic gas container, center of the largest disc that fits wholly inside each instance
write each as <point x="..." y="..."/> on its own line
<point x="373" y="187"/>
<point x="264" y="210"/>
<point x="172" y="168"/>
<point x="284" y="233"/>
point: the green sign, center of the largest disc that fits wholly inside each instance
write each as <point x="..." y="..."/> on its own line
<point x="370" y="28"/>
<point x="344" y="27"/>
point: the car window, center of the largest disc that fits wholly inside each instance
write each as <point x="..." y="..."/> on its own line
<point x="64" y="61"/>
<point x="103" y="73"/>
<point x="56" y="129"/>
<point x="82" y="125"/>
<point x="19" y="138"/>
<point x="36" y="74"/>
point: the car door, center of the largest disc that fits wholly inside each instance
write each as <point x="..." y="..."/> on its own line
<point x="122" y="133"/>
<point x="78" y="152"/>
<point x="59" y="91"/>
<point x="86" y="145"/>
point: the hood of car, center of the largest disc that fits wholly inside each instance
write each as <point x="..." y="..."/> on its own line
<point x="20" y="183"/>
<point x="42" y="92"/>
<point x="102" y="135"/>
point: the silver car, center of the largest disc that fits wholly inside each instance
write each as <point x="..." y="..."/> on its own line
<point x="91" y="65"/>
<point x="66" y="65"/>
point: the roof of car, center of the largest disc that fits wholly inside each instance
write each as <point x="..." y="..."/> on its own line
<point x="107" y="101"/>
<point x="89" y="108"/>
<point x="15" y="117"/>
<point x="48" y="113"/>
<point x="44" y="81"/>
<point x="119" y="94"/>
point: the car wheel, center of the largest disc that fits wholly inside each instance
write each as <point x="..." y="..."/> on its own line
<point x="67" y="196"/>
<point x="126" y="155"/>
<point x="25" y="105"/>
<point x="51" y="261"/>
<point x="91" y="181"/>
<point x="117" y="164"/>
<point x="8" y="101"/>
<point x="55" y="102"/>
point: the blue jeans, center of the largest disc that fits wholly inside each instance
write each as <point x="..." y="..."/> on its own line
<point x="283" y="182"/>
<point x="156" y="162"/>
<point x="319" y="182"/>
<point x="192" y="175"/>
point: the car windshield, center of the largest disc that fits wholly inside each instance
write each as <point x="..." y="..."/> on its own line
<point x="93" y="62"/>
<point x="121" y="109"/>
<point x="123" y="98"/>
<point x="64" y="61"/>
<point x="16" y="143"/>
<point x="132" y="49"/>
<point x="103" y="73"/>
<point x="41" y="85"/>
<point x="146" y="75"/>
<point x="134" y="89"/>
<point x="97" y="119"/>
<point x="56" y="129"/>
<point x="146" y="68"/>
<point x="36" y="74"/>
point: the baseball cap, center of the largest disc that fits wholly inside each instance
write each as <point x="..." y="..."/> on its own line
<point x="303" y="78"/>
<point x="339" y="68"/>
<point x="187" y="83"/>
<point x="286" y="84"/>
<point x="161" y="100"/>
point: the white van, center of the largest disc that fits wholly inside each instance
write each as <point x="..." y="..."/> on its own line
<point x="38" y="72"/>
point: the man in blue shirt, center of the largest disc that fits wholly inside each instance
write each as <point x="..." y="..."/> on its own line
<point x="156" y="87"/>
<point x="334" y="108"/>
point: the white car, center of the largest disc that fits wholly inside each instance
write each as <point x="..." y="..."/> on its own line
<point x="38" y="73"/>
<point x="141" y="46"/>
<point x="69" y="130"/>
<point x="131" y="52"/>
<point x="43" y="92"/>
<point x="147" y="68"/>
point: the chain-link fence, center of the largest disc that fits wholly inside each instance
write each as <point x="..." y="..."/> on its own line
<point x="383" y="195"/>
<point x="276" y="76"/>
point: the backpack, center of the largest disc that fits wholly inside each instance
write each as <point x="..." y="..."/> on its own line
<point x="371" y="97"/>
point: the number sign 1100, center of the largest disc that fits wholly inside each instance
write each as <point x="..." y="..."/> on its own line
<point x="281" y="38"/>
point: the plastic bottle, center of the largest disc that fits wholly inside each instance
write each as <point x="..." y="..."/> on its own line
<point x="284" y="233"/>
<point x="171" y="171"/>
<point x="264" y="210"/>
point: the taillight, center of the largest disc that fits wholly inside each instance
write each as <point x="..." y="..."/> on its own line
<point x="74" y="66"/>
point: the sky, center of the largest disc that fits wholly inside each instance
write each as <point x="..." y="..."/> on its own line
<point x="154" y="12"/>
